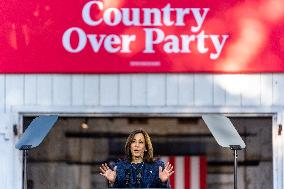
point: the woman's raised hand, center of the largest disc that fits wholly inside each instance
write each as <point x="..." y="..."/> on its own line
<point x="108" y="173"/>
<point x="165" y="174"/>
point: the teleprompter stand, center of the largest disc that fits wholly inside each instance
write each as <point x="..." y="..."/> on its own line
<point x="33" y="136"/>
<point x="226" y="136"/>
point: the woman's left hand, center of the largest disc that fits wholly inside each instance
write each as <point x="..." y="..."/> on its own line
<point x="165" y="174"/>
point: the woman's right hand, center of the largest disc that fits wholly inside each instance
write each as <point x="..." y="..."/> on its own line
<point x="109" y="174"/>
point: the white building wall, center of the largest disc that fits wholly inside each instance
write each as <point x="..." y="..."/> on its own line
<point x="141" y="90"/>
<point x="177" y="93"/>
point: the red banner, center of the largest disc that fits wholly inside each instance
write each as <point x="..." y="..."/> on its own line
<point x="49" y="36"/>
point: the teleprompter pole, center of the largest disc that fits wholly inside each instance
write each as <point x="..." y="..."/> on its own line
<point x="235" y="148"/>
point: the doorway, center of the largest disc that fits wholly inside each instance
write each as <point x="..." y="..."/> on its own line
<point x="70" y="156"/>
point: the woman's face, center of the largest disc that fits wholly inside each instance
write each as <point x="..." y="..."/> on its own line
<point x="137" y="146"/>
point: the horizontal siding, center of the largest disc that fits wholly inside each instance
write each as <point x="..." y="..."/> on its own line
<point x="132" y="90"/>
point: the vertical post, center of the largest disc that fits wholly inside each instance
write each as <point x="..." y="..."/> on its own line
<point x="235" y="169"/>
<point x="235" y="148"/>
<point x="25" y="168"/>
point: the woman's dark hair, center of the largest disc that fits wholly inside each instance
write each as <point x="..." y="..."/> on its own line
<point x="148" y="154"/>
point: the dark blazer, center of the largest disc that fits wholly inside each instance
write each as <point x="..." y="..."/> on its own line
<point x="142" y="175"/>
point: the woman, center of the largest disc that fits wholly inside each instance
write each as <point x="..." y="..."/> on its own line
<point x="139" y="170"/>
